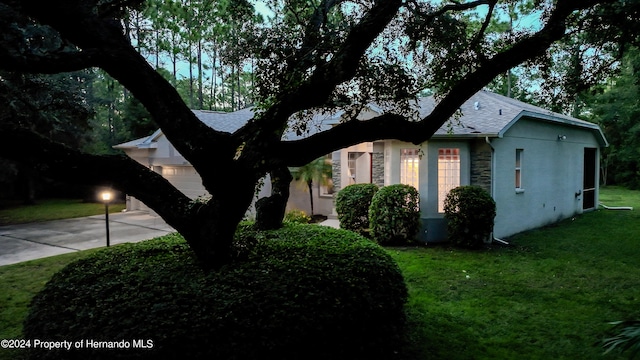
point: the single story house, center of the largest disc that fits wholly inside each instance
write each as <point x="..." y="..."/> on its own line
<point x="539" y="166"/>
<point x="157" y="153"/>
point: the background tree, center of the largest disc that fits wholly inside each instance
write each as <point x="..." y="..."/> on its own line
<point x="334" y="55"/>
<point x="616" y="107"/>
<point x="51" y="105"/>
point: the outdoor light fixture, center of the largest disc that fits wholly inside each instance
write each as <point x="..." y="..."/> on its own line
<point x="562" y="137"/>
<point x="106" y="198"/>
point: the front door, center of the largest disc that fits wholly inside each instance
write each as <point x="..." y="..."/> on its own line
<point x="590" y="177"/>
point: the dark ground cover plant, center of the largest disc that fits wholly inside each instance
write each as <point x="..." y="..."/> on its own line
<point x="301" y="292"/>
<point x="469" y="211"/>
<point x="394" y="215"/>
<point x="625" y="336"/>
<point x="352" y="206"/>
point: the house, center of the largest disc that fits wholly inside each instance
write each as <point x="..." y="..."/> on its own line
<point x="539" y="166"/>
<point x="157" y="153"/>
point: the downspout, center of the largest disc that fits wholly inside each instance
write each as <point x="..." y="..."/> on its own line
<point x="616" y="207"/>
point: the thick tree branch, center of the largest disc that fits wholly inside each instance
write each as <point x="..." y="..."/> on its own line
<point x="78" y="23"/>
<point x="390" y="126"/>
<point x="485" y="24"/>
<point x="455" y="6"/>
<point x="52" y="63"/>
<point x="312" y="35"/>
<point x="62" y="163"/>
<point x="318" y="88"/>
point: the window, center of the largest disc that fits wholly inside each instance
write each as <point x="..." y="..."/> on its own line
<point x="353" y="157"/>
<point x="409" y="166"/>
<point x="519" y="169"/>
<point x="448" y="173"/>
<point x="359" y="164"/>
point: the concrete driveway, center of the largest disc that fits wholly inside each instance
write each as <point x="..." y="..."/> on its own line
<point x="24" y="242"/>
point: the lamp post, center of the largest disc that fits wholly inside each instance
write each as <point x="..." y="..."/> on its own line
<point x="106" y="197"/>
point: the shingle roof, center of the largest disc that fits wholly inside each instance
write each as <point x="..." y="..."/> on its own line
<point x="484" y="114"/>
<point x="487" y="113"/>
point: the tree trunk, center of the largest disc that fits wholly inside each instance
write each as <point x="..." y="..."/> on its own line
<point x="310" y="185"/>
<point x="210" y="226"/>
<point x="200" y="91"/>
<point x="270" y="210"/>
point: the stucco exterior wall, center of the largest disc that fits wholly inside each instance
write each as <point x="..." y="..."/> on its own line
<point x="299" y="199"/>
<point x="166" y="161"/>
<point x="552" y="175"/>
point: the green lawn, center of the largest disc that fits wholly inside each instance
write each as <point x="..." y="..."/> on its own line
<point x="53" y="209"/>
<point x="548" y="296"/>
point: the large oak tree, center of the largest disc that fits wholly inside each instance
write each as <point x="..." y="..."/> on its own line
<point x="312" y="55"/>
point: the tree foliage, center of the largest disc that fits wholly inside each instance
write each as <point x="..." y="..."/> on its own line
<point x="616" y="108"/>
<point x="309" y="57"/>
<point x="50" y="105"/>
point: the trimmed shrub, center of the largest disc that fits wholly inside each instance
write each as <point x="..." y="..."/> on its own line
<point x="352" y="206"/>
<point x="302" y="292"/>
<point x="469" y="211"/>
<point x="297" y="216"/>
<point x="394" y="214"/>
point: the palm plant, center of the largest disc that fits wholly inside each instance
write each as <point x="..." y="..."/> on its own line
<point x="627" y="337"/>
<point x="318" y="170"/>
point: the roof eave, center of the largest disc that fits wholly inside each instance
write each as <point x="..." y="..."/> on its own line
<point x="464" y="136"/>
<point x="602" y="140"/>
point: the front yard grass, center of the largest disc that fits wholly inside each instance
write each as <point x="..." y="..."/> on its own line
<point x="52" y="209"/>
<point x="550" y="295"/>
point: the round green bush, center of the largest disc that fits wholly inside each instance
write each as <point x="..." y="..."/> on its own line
<point x="352" y="206"/>
<point x="469" y="211"/>
<point x="301" y="292"/>
<point x="394" y="214"/>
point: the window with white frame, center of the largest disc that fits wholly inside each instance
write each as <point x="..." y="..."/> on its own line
<point x="409" y="167"/>
<point x="448" y="173"/>
<point x="519" y="153"/>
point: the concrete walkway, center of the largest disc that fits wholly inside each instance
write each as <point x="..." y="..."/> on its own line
<point x="334" y="223"/>
<point x="24" y="242"/>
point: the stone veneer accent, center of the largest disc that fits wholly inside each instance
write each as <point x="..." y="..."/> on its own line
<point x="377" y="168"/>
<point x="336" y="174"/>
<point x="481" y="165"/>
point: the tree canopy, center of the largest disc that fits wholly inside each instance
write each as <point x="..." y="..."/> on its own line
<point x="309" y="56"/>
